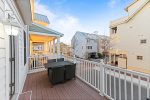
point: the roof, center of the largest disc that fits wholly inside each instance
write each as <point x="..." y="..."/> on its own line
<point x="126" y="19"/>
<point x="88" y="35"/>
<point x="41" y="17"/>
<point x="131" y="4"/>
<point x="36" y="28"/>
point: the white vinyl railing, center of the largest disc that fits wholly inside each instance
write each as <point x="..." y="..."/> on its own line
<point x="36" y="63"/>
<point x="114" y="82"/>
<point x="110" y="81"/>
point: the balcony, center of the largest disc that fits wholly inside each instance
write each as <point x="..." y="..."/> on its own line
<point x="95" y="81"/>
<point x="41" y="89"/>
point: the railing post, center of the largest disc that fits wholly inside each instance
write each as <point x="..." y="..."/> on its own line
<point x="102" y="79"/>
<point x="28" y="66"/>
<point x="74" y="59"/>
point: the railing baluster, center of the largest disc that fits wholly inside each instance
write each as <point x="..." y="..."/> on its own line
<point x="81" y="65"/>
<point x="131" y="86"/>
<point x="106" y="81"/>
<point x="86" y="71"/>
<point x="31" y="63"/>
<point x="110" y="81"/>
<point x="148" y="87"/>
<point x="95" y="75"/>
<point x="125" y="85"/>
<point x="119" y="86"/>
<point x="90" y="73"/>
<point x="114" y="84"/>
<point x="99" y="76"/>
<point x="139" y="87"/>
<point x="34" y="63"/>
<point x="81" y="69"/>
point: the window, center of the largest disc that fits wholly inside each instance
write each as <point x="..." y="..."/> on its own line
<point x="25" y="48"/>
<point x="114" y="30"/>
<point x="143" y="41"/>
<point x="89" y="47"/>
<point x="139" y="57"/>
<point x="88" y="40"/>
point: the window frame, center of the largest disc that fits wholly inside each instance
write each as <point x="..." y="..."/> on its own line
<point x="114" y="30"/>
<point x="143" y="41"/>
<point x="139" y="57"/>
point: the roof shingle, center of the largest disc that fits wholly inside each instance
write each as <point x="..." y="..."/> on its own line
<point x="42" y="18"/>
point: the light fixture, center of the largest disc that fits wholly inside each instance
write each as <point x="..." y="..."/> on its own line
<point x="11" y="28"/>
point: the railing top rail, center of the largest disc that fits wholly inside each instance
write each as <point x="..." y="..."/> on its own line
<point x="128" y="71"/>
<point x="118" y="68"/>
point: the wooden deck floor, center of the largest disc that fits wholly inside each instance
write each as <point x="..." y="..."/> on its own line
<point x="41" y="89"/>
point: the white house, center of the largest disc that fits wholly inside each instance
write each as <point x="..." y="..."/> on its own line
<point x="15" y="15"/>
<point x="84" y="43"/>
<point x="130" y="38"/>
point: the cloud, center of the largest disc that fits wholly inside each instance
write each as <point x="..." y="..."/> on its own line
<point x="42" y="9"/>
<point x="66" y="24"/>
<point x="113" y="3"/>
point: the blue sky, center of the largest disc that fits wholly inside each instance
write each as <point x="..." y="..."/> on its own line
<point x="69" y="16"/>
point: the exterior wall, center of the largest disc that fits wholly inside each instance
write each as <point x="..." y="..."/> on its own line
<point x="21" y="69"/>
<point x="4" y="87"/>
<point x="128" y="38"/>
<point x="79" y="45"/>
<point x="94" y="44"/>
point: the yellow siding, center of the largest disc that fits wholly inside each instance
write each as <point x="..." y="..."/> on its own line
<point x="41" y="23"/>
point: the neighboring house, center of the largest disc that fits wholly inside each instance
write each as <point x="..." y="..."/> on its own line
<point x="130" y="38"/>
<point x="84" y="43"/>
<point x="65" y="49"/>
<point x="15" y="16"/>
<point x="43" y="40"/>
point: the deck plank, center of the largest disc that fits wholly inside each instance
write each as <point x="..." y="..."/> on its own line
<point x="41" y="89"/>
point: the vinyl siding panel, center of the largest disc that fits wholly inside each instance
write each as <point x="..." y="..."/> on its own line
<point x="22" y="67"/>
<point x="2" y="56"/>
<point x="1" y="8"/>
<point x="2" y="70"/>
